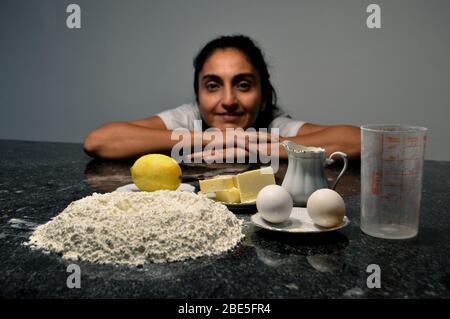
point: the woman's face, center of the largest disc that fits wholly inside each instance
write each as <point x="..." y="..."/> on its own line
<point x="229" y="90"/>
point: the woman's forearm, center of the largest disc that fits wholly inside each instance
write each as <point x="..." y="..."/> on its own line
<point x="119" y="140"/>
<point x="344" y="138"/>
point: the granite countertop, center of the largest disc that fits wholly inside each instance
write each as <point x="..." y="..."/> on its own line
<point x="38" y="180"/>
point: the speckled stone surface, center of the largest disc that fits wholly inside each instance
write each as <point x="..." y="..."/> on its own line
<point x="38" y="180"/>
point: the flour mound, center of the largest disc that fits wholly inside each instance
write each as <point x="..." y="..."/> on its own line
<point x="134" y="228"/>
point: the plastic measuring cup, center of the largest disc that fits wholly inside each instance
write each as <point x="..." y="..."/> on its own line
<point x="391" y="179"/>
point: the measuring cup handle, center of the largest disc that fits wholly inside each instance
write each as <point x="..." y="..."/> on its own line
<point x="330" y="160"/>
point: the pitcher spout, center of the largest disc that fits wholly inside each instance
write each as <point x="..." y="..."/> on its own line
<point x="288" y="145"/>
<point x="294" y="148"/>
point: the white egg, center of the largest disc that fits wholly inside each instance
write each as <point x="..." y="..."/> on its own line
<point x="274" y="203"/>
<point x="326" y="208"/>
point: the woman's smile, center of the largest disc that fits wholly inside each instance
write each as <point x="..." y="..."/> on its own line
<point x="230" y="117"/>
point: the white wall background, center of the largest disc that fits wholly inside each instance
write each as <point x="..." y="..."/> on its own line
<point x="133" y="58"/>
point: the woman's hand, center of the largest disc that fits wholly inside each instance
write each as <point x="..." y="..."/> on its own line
<point x="226" y="155"/>
<point x="236" y="154"/>
<point x="235" y="138"/>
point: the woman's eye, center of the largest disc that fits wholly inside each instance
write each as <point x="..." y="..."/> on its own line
<point x="212" y="86"/>
<point x="244" y="86"/>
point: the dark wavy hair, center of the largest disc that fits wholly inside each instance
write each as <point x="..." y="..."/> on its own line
<point x="254" y="54"/>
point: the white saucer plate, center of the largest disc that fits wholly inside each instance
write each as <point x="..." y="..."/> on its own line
<point x="298" y="222"/>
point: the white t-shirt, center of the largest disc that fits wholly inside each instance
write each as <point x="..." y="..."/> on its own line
<point x="185" y="115"/>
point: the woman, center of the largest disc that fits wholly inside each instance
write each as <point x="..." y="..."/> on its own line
<point x="233" y="90"/>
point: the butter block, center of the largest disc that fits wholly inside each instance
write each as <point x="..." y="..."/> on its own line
<point x="235" y="181"/>
<point x="231" y="195"/>
<point x="217" y="183"/>
<point x="251" y="182"/>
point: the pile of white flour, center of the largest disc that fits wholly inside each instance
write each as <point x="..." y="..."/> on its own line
<point x="134" y="228"/>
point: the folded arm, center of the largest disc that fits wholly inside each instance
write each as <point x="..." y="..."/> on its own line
<point x="119" y="140"/>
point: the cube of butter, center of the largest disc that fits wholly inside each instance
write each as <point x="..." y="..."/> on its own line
<point x="251" y="182"/>
<point x="231" y="195"/>
<point x="217" y="183"/>
<point x="235" y="180"/>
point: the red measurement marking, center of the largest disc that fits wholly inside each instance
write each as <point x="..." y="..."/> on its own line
<point x="412" y="142"/>
<point x="376" y="177"/>
<point x="411" y="172"/>
<point x="392" y="139"/>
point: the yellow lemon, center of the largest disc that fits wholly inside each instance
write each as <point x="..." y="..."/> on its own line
<point x="153" y="172"/>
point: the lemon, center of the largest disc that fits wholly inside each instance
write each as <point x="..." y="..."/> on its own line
<point x="153" y="172"/>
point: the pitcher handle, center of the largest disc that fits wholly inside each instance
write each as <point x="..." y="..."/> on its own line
<point x="330" y="160"/>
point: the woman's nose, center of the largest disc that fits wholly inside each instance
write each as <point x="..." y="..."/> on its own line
<point x="229" y="98"/>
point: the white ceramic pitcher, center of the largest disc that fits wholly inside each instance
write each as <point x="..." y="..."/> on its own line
<point x="306" y="173"/>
